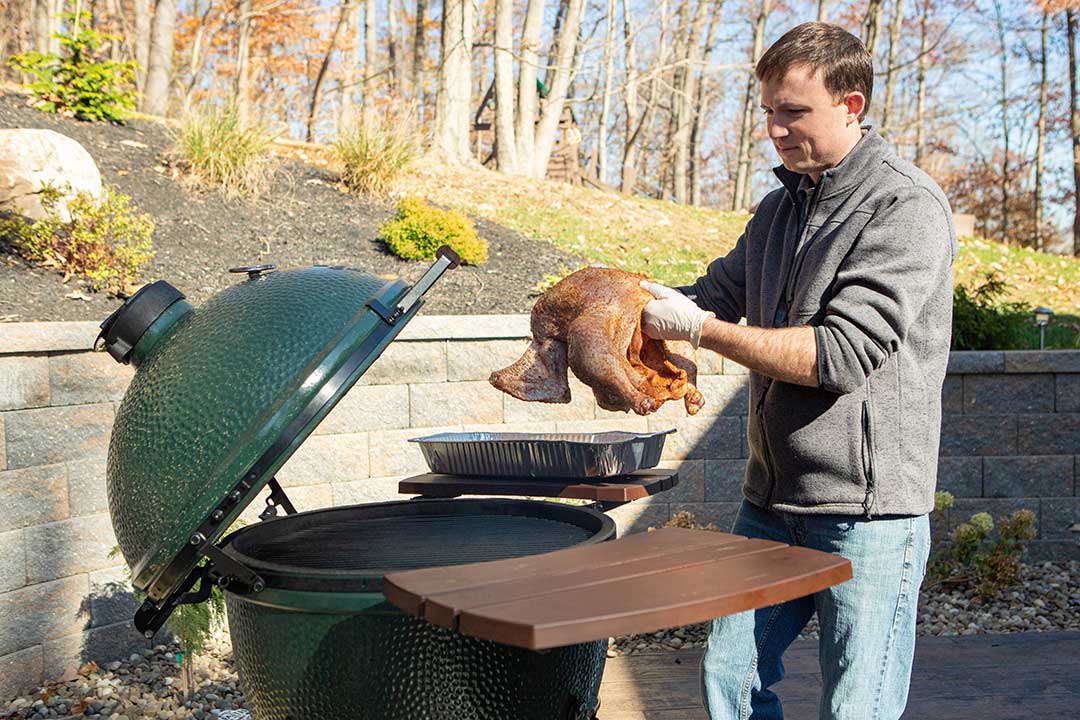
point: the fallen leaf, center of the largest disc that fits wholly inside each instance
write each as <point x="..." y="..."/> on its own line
<point x="88" y="668"/>
<point x="77" y="296"/>
<point x="133" y="143"/>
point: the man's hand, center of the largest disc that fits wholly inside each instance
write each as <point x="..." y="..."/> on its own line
<point x="672" y="315"/>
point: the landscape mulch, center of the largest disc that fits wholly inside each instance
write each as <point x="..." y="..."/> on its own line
<point x="305" y="218"/>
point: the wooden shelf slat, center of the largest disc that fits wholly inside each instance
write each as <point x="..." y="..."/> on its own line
<point x="623" y="488"/>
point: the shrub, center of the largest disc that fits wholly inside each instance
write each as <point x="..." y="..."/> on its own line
<point x="419" y="229"/>
<point x="372" y="159"/>
<point x="79" y="83"/>
<point x="106" y="242"/>
<point x="970" y="558"/>
<point x="214" y="148"/>
<point x="982" y="321"/>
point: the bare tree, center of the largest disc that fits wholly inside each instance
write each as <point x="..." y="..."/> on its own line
<point x="630" y="98"/>
<point x="822" y="11"/>
<point x="142" y="41"/>
<point x="367" y="96"/>
<point x="684" y="101"/>
<point x="242" y="80"/>
<point x="1040" y="131"/>
<point x="528" y="103"/>
<point x="455" y="82"/>
<point x="351" y="61"/>
<point x="316" y="90"/>
<point x="1074" y="125"/>
<point x="701" y="103"/>
<point x="393" y="54"/>
<point x="741" y="195"/>
<point x="44" y="25"/>
<point x="895" y="24"/>
<point x="159" y="70"/>
<point x="419" y="54"/>
<point x="920" y="92"/>
<point x="871" y="25"/>
<point x="553" y="105"/>
<point x="999" y="21"/>
<point x="605" y="100"/>
<point x="505" y="142"/>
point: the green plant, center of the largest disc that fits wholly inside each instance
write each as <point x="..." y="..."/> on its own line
<point x="213" y="147"/>
<point x="105" y="241"/>
<point x="419" y="229"/>
<point x="371" y="159"/>
<point x="983" y="321"/>
<point x="78" y="83"/>
<point x="970" y="557"/>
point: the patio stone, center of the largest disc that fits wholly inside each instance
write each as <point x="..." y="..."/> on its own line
<point x="582" y="406"/>
<point x="392" y="454"/>
<point x="632" y="423"/>
<point x="368" y="407"/>
<point x="33" y="496"/>
<point x="33" y="614"/>
<point x="1058" y="515"/>
<point x="476" y="360"/>
<point x="69" y="547"/>
<point x="87" y="492"/>
<point x="638" y="517"/>
<point x="408" y="362"/>
<point x="24" y="382"/>
<point x="1067" y="391"/>
<point x="708" y="437"/>
<point x="37" y="337"/>
<point x="111" y="597"/>
<point x="978" y="435"/>
<point x="3" y="444"/>
<point x="327" y="459"/>
<point x="366" y="491"/>
<point x="458" y="402"/>
<point x="91" y="377"/>
<point x="961" y="476"/>
<point x="1001" y="394"/>
<point x="721" y="515"/>
<point x="21" y="672"/>
<point x="964" y="362"/>
<point x="104" y="644"/>
<point x="1036" y="361"/>
<point x="12" y="561"/>
<point x="1048" y="434"/>
<point x="952" y="394"/>
<point x="51" y="435"/>
<point x="1029" y="476"/>
<point x="724" y="480"/>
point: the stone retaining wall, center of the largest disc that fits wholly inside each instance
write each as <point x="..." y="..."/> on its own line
<point x="1010" y="439"/>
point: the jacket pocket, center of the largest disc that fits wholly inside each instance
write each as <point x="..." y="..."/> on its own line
<point x="868" y="457"/>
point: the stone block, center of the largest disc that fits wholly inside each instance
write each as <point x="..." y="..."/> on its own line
<point x="708" y="438"/>
<point x="476" y="359"/>
<point x="964" y="508"/>
<point x="1042" y="361"/>
<point x="721" y="515"/>
<point x="1008" y="394"/>
<point x="39" y="337"/>
<point x="724" y="480"/>
<point x="327" y="459"/>
<point x="69" y="547"/>
<point x="952" y="394"/>
<point x="52" y="435"/>
<point x="21" y="672"/>
<point x="368" y="407"/>
<point x="82" y="378"/>
<point x="964" y="362"/>
<point x="3" y="444"/>
<point x="725" y="394"/>
<point x="1066" y="392"/>
<point x="86" y="486"/>
<point x="33" y="496"/>
<point x="691" y="487"/>
<point x="462" y="402"/>
<point x="111" y="597"/>
<point x="1039" y="551"/>
<point x="12" y="561"/>
<point x="639" y="517"/>
<point x="467" y="327"/>
<point x="962" y="476"/>
<point x="311" y="497"/>
<point x="630" y="423"/>
<point x="366" y="491"/>
<point x="1057" y="516"/>
<point x="709" y="363"/>
<point x="102" y="645"/>
<point x="733" y="368"/>
<point x="391" y="453"/>
<point x="1049" y="434"/>
<point x="1029" y="476"/>
<point x="978" y="435"/>
<point x="582" y="406"/>
<point x="35" y="613"/>
<point x="524" y="427"/>
<point x="403" y="363"/>
<point x="24" y="382"/>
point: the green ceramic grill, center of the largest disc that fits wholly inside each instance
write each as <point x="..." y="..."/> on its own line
<point x="222" y="396"/>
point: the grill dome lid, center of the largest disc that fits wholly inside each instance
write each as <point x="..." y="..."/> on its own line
<point x="225" y="393"/>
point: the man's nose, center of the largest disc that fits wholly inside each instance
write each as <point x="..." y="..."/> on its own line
<point x="776" y="130"/>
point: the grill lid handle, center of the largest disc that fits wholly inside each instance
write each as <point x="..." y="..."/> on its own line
<point x="445" y="259"/>
<point x="122" y="331"/>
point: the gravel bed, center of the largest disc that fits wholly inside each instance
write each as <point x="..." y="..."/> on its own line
<point x="153" y="684"/>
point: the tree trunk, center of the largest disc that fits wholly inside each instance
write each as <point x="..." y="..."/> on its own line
<point x="455" y="82"/>
<point x="1004" y="66"/>
<point x="553" y="104"/>
<point x="142" y="41"/>
<point x="159" y="70"/>
<point x="1074" y="126"/>
<point x="44" y="25"/>
<point x="505" y="142"/>
<point x="685" y="106"/>
<point x="242" y="81"/>
<point x="605" y="100"/>
<point x="528" y="102"/>
<point x="920" y="105"/>
<point x="741" y="196"/>
<point x="367" y="83"/>
<point x="316" y="91"/>
<point x="822" y="10"/>
<point x="1040" y="132"/>
<point x="871" y="25"/>
<point x="700" y="103"/>
<point x="895" y="24"/>
<point x="629" y="161"/>
<point x="393" y="54"/>
<point x="419" y="54"/>
<point x="350" y="63"/>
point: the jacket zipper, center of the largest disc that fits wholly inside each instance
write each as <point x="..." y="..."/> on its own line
<point x="868" y="459"/>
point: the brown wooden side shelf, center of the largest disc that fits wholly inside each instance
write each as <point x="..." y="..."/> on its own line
<point x="640" y="583"/>
<point x="623" y="488"/>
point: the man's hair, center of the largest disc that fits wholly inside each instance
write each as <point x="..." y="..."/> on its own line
<point x="839" y="56"/>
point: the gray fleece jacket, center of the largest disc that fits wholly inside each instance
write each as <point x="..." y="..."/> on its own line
<point x="873" y="277"/>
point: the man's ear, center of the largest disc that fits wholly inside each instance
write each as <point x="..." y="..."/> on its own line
<point x="855" y="103"/>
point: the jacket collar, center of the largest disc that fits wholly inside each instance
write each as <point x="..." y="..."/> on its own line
<point x="852" y="170"/>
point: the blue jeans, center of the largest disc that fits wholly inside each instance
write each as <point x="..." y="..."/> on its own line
<point x="867" y="623"/>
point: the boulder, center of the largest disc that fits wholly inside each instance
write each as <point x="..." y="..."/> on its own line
<point x="31" y="158"/>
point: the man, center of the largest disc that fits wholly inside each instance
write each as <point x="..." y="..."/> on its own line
<point x="844" y="278"/>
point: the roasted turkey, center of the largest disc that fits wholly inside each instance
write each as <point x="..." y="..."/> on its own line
<point x="590" y="321"/>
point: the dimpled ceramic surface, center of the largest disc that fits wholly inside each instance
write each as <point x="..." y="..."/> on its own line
<point x="216" y="392"/>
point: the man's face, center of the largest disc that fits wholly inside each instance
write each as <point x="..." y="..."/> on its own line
<point x="810" y="129"/>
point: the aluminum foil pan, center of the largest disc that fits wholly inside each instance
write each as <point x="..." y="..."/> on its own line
<point x="548" y="455"/>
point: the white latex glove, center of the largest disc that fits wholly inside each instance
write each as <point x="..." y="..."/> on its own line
<point x="672" y="315"/>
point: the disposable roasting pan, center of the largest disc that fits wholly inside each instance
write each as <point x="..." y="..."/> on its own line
<point x="551" y="455"/>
